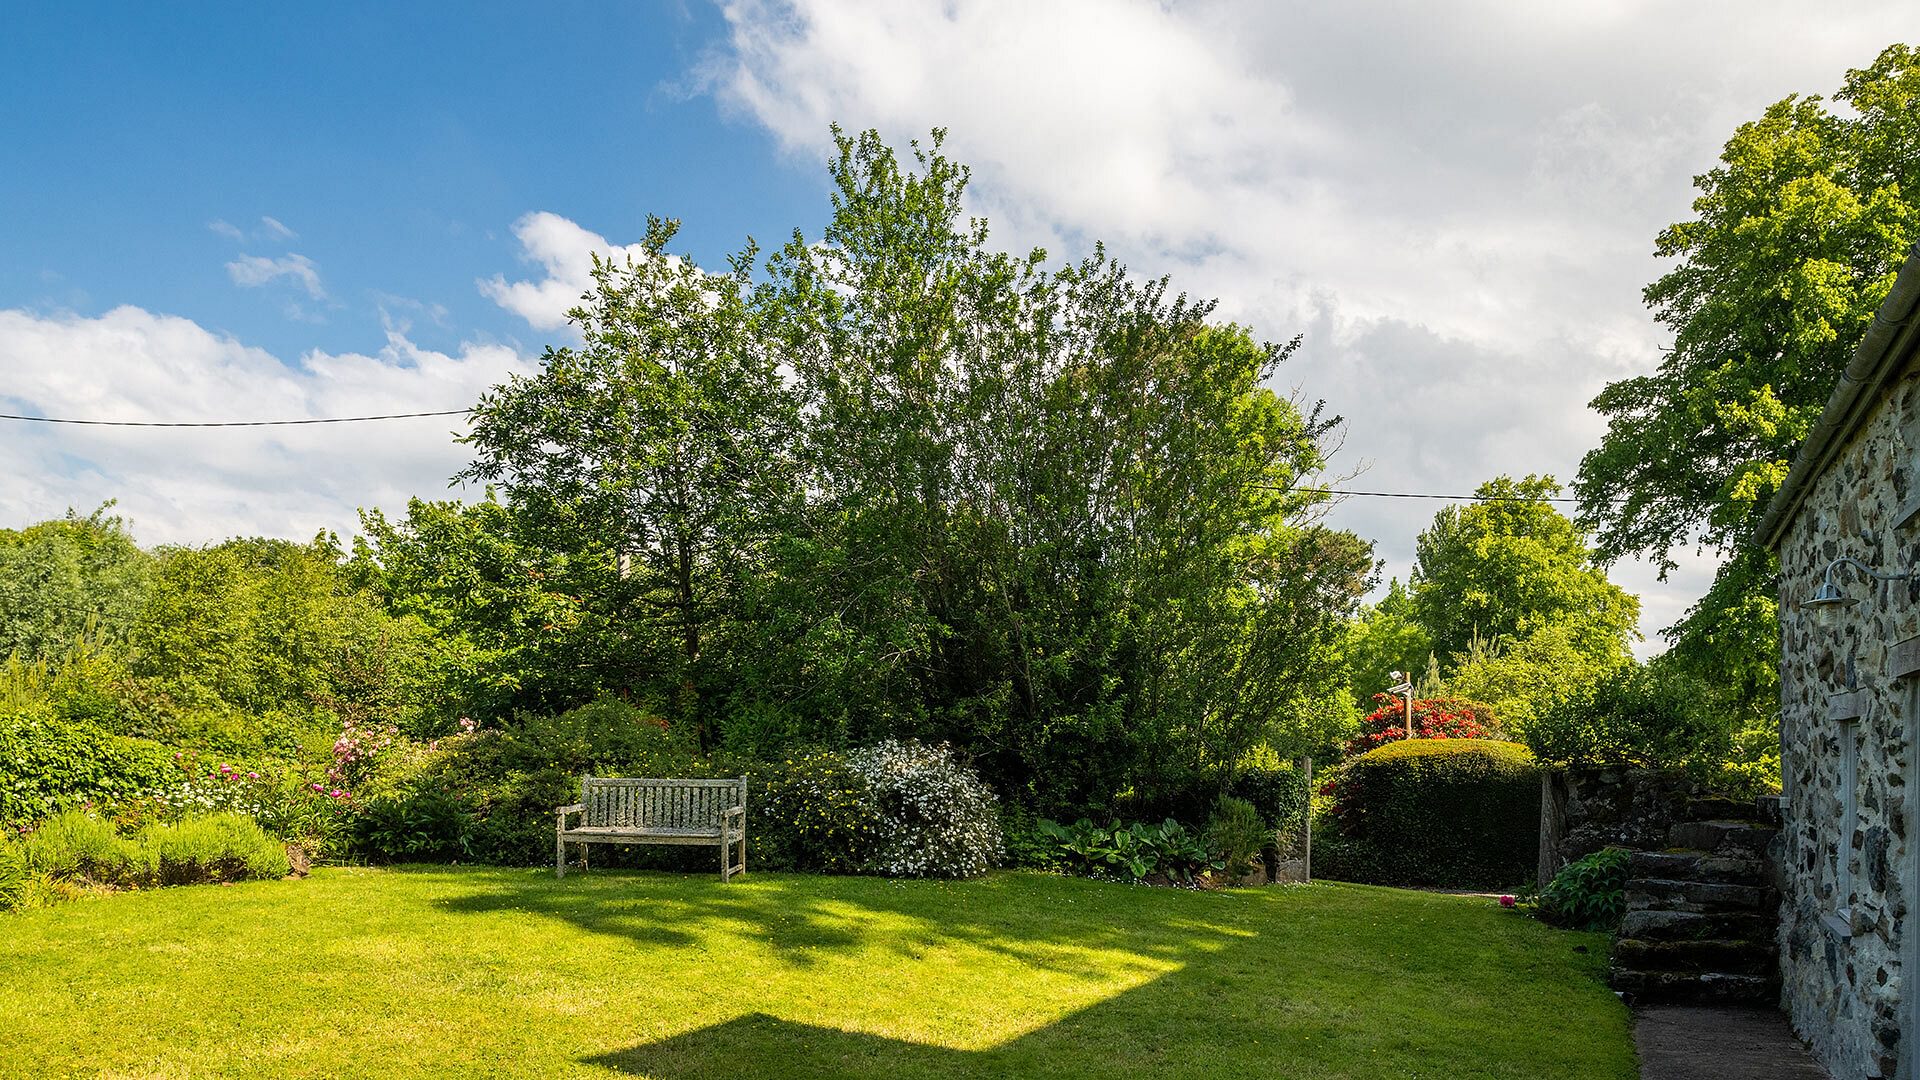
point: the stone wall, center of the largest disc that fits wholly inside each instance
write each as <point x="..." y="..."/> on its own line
<point x="1843" y="681"/>
<point x="1584" y="810"/>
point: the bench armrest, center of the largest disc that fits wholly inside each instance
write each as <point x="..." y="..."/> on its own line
<point x="734" y="811"/>
<point x="561" y="813"/>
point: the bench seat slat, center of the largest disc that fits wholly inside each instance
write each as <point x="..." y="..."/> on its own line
<point x="648" y="810"/>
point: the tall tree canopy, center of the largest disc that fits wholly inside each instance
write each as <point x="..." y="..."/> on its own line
<point x="896" y="482"/>
<point x="1503" y="568"/>
<point x="1798" y="233"/>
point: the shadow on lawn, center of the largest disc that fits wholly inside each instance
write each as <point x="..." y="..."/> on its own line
<point x="1226" y="996"/>
<point x="802" y="918"/>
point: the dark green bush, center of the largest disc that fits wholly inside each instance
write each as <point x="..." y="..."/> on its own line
<point x="1236" y="833"/>
<point x="1588" y="893"/>
<point x="419" y="826"/>
<point x="1279" y="794"/>
<point x="1640" y="715"/>
<point x="810" y="812"/>
<point x="1459" y="813"/>
<point x="490" y="796"/>
<point x="47" y="764"/>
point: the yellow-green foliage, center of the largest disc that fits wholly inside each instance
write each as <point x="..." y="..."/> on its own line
<point x="74" y="844"/>
<point x="1447" y="812"/>
<point x="15" y="878"/>
<point x="218" y="847"/>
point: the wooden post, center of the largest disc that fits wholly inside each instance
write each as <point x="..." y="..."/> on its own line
<point x="1306" y="828"/>
<point x="1409" y="709"/>
<point x="1553" y="825"/>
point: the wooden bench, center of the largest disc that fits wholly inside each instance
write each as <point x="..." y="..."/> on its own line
<point x="622" y="811"/>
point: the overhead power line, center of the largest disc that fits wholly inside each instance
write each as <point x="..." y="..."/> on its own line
<point x="228" y="423"/>
<point x="463" y="412"/>
<point x="1432" y="495"/>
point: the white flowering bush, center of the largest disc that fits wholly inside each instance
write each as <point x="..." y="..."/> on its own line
<point x="936" y="817"/>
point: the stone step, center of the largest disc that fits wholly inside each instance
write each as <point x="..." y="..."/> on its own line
<point x="1697" y="866"/>
<point x="1721" y="987"/>
<point x="1650" y="925"/>
<point x="1659" y="894"/>
<point x="1731" y="956"/>
<point x="1740" y="838"/>
<point x="1713" y="808"/>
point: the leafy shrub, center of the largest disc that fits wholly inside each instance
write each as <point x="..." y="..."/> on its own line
<point x="1659" y="717"/>
<point x="317" y="818"/>
<point x="811" y="812"/>
<point x="1433" y="718"/>
<point x="217" y="847"/>
<point x="608" y="737"/>
<point x="1236" y="832"/>
<point x="1133" y="851"/>
<point x="421" y="826"/>
<point x="1447" y="812"/>
<point x="15" y="878"/>
<point x="47" y="764"/>
<point x="1279" y="794"/>
<point x="935" y="817"/>
<point x="1588" y="893"/>
<point x="74" y="845"/>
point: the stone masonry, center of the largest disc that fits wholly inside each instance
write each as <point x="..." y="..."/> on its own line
<point x="1845" y="838"/>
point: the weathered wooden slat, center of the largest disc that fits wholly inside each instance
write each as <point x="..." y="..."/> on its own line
<point x="646" y="810"/>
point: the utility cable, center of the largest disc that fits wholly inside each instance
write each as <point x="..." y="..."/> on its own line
<point x="228" y="423"/>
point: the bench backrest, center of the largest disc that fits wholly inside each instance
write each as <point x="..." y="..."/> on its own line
<point x="674" y="804"/>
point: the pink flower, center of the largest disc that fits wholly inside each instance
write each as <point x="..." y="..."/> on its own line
<point x="1506" y="901"/>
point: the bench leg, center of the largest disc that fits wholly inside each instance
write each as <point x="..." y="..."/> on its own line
<point x="559" y="855"/>
<point x="725" y="848"/>
<point x="584" y="848"/>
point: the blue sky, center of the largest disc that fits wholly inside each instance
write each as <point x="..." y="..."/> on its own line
<point x="255" y="212"/>
<point x="398" y="142"/>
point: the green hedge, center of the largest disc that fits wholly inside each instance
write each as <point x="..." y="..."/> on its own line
<point x="48" y="764"/>
<point x="1453" y="813"/>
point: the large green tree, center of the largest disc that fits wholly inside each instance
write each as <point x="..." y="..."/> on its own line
<point x="1797" y="234"/>
<point x="1502" y="568"/>
<point x="66" y="581"/>
<point x="661" y="443"/>
<point x="897" y="482"/>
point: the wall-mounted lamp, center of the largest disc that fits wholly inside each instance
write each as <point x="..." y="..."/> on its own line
<point x="1828" y="598"/>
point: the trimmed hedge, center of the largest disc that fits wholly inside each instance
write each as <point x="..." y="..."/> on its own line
<point x="1453" y="813"/>
<point x="47" y="765"/>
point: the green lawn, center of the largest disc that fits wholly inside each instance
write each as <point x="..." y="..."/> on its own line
<point x="489" y="972"/>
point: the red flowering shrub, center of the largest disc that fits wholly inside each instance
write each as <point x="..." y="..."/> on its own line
<point x="1433" y="718"/>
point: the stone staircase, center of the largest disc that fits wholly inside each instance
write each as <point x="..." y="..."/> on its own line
<point x="1702" y="914"/>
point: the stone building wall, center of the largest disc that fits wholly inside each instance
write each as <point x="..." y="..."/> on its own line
<point x="1841" y="954"/>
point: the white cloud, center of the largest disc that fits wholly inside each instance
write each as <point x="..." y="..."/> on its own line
<point x="563" y="252"/>
<point x="253" y="271"/>
<point x="195" y="485"/>
<point x="1455" y="203"/>
<point x="270" y="229"/>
